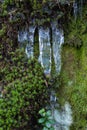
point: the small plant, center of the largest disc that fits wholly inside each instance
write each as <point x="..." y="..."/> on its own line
<point x="46" y="119"/>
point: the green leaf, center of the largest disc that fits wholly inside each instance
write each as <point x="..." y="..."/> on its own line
<point x="48" y="113"/>
<point x="45" y="128"/>
<point x="44" y="114"/>
<point x="52" y="128"/>
<point x="50" y="117"/>
<point x="52" y="121"/>
<point x="41" y="120"/>
<point x="41" y="111"/>
<point x="48" y="124"/>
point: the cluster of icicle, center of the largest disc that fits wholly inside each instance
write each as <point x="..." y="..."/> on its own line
<point x="45" y="48"/>
<point x="63" y="118"/>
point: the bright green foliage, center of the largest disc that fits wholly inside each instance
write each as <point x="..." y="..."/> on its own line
<point x="46" y="119"/>
<point x="23" y="92"/>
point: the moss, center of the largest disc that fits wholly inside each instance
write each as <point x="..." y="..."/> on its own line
<point x="74" y="78"/>
<point x="3" y="31"/>
<point x="23" y="92"/>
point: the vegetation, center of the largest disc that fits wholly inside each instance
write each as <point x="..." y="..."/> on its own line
<point x="46" y="119"/>
<point x="74" y="77"/>
<point x="23" y="92"/>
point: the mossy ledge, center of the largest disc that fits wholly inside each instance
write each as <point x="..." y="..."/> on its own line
<point x="74" y="73"/>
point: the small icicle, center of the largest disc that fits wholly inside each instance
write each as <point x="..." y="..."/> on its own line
<point x="77" y="8"/>
<point x="26" y="38"/>
<point x="57" y="41"/>
<point x="45" y="49"/>
<point x="30" y="45"/>
<point x="22" y="35"/>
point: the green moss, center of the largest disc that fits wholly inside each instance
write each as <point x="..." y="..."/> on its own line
<point x="23" y="92"/>
<point x="3" y="31"/>
<point x="74" y="79"/>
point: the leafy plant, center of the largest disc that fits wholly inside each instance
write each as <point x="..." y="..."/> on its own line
<point x="46" y="119"/>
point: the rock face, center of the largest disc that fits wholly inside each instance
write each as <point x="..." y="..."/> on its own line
<point x="51" y="37"/>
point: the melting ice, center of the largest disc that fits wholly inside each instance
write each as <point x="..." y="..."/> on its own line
<point x="30" y="46"/>
<point x="45" y="49"/>
<point x="26" y="35"/>
<point x="57" y="41"/>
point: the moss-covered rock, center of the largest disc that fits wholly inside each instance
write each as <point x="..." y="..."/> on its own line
<point x="74" y="76"/>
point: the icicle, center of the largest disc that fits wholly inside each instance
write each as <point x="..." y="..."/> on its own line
<point x="22" y="35"/>
<point x="77" y="7"/>
<point x="57" y="41"/>
<point x="30" y="46"/>
<point x="45" y="49"/>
